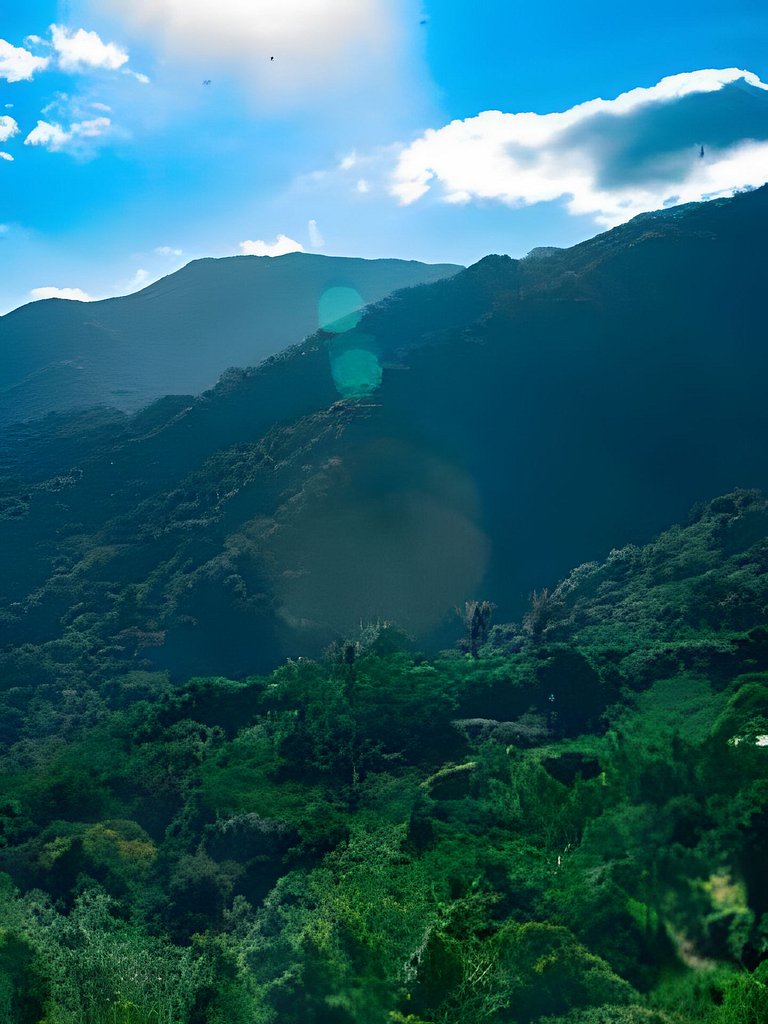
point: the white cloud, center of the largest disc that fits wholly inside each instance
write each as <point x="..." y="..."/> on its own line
<point x="60" y="104"/>
<point x="74" y="51"/>
<point x="51" y="136"/>
<point x="139" y="279"/>
<point x="167" y="250"/>
<point x="609" y="159"/>
<point x="18" y="64"/>
<point x="79" y="50"/>
<point x="54" y="138"/>
<point x="49" y="292"/>
<point x="281" y="245"/>
<point x="316" y="240"/>
<point x="8" y="128"/>
<point x="363" y="172"/>
<point x="6" y="156"/>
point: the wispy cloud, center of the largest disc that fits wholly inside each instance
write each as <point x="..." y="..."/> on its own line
<point x="363" y="172"/>
<point x="139" y="279"/>
<point x="316" y="240"/>
<point x="280" y="247"/>
<point x="609" y="159"/>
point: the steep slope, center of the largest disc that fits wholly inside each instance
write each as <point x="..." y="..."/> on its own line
<point x="179" y="334"/>
<point x="473" y="437"/>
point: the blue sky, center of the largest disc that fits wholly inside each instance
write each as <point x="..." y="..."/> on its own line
<point x="426" y="129"/>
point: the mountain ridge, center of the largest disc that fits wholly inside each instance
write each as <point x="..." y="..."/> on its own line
<point x="527" y="417"/>
<point x="181" y="332"/>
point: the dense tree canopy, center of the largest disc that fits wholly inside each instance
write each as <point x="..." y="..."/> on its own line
<point x="565" y="825"/>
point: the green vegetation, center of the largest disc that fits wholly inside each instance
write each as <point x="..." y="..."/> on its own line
<point x="475" y="437"/>
<point x="558" y="822"/>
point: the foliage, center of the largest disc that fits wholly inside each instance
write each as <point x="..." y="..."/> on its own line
<point x="565" y="826"/>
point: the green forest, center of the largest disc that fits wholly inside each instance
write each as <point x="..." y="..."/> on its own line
<point x="560" y="821"/>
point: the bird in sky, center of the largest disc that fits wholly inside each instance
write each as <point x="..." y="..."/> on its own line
<point x="701" y="153"/>
<point x="207" y="81"/>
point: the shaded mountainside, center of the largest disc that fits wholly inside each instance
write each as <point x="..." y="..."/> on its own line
<point x="179" y="334"/>
<point x="470" y="438"/>
<point x="567" y="828"/>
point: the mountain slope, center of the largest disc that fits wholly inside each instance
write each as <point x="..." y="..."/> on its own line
<point x="473" y="437"/>
<point x="179" y="334"/>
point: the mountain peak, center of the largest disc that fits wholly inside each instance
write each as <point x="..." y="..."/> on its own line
<point x="180" y="333"/>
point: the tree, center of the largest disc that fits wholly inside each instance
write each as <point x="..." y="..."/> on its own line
<point x="477" y="617"/>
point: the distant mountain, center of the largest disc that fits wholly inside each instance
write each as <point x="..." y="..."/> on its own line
<point x="474" y="437"/>
<point x="179" y="334"/>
